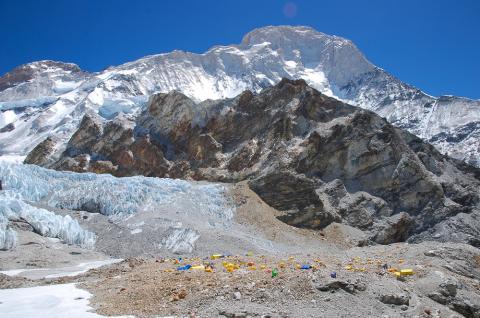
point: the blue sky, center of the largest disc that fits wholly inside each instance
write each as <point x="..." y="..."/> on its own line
<point x="432" y="44"/>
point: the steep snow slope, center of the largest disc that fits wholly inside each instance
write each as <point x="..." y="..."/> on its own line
<point x="49" y="98"/>
<point x="26" y="185"/>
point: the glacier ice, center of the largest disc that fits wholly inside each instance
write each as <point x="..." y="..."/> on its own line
<point x="43" y="222"/>
<point x="109" y="195"/>
<point x="8" y="237"/>
<point x="33" y="102"/>
<point x="14" y="206"/>
<point x="180" y="240"/>
<point x="26" y="185"/>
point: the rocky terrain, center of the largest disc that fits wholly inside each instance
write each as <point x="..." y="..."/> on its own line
<point x="437" y="289"/>
<point x="316" y="281"/>
<point x="316" y="159"/>
<point x="158" y="226"/>
<point x="49" y="99"/>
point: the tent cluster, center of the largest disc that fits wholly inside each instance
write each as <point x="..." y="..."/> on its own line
<point x="357" y="264"/>
<point x="230" y="263"/>
<point x="233" y="263"/>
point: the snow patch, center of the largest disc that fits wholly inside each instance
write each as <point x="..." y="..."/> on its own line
<point x="82" y="268"/>
<point x="13" y="158"/>
<point x="7" y="117"/>
<point x="69" y="271"/>
<point x="53" y="301"/>
<point x="291" y="64"/>
<point x="111" y="107"/>
<point x="64" y="87"/>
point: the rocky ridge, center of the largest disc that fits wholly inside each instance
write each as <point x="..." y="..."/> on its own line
<point x="316" y="159"/>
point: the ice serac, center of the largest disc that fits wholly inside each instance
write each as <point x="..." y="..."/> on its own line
<point x="48" y="98"/>
<point x="26" y="187"/>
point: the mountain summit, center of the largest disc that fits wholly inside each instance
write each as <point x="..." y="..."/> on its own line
<point x="46" y="98"/>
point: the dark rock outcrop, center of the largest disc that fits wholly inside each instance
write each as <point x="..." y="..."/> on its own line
<point x="7" y="128"/>
<point x="41" y="154"/>
<point x="336" y="284"/>
<point x="313" y="157"/>
<point x="26" y="72"/>
<point x="452" y="291"/>
<point x="395" y="299"/>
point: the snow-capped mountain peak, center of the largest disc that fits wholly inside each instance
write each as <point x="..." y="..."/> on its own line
<point x="49" y="98"/>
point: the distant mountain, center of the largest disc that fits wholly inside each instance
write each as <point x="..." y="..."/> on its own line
<point x="47" y="98"/>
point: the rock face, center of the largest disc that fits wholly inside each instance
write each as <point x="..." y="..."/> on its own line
<point x="113" y="149"/>
<point x="315" y="158"/>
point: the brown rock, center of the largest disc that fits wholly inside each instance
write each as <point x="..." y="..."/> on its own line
<point x="40" y="155"/>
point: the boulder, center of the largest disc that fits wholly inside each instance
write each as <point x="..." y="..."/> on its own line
<point x="395" y="299"/>
<point x="334" y="284"/>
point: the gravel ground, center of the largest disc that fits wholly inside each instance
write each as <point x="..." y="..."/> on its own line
<point x="362" y="287"/>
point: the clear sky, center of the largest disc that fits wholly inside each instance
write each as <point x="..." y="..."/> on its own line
<point x="431" y="44"/>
